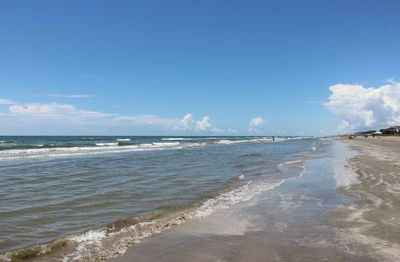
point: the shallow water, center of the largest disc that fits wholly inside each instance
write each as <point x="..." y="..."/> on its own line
<point x="75" y="184"/>
<point x="288" y="223"/>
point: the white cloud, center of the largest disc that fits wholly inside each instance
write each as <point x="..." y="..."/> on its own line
<point x="41" y="109"/>
<point x="204" y="124"/>
<point x="72" y="95"/>
<point x="187" y="121"/>
<point x="256" y="124"/>
<point x="6" y="101"/>
<point x="66" y="118"/>
<point x="54" y="110"/>
<point x="365" y="107"/>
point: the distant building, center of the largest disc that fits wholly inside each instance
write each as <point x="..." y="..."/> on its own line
<point x="369" y="132"/>
<point x="391" y="130"/>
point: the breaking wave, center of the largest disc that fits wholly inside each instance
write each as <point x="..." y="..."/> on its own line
<point x="100" y="148"/>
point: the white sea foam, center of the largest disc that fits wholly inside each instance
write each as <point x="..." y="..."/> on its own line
<point x="250" y="140"/>
<point x="112" y="147"/>
<point x="241" y="194"/>
<point x="86" y="243"/>
<point x="90" y="236"/>
<point x="292" y="162"/>
<point x="2" y="142"/>
<point x="228" y="142"/>
<point x="106" y="144"/>
<point x="100" y="148"/>
<point x="176" y="138"/>
<point x="166" y="144"/>
<point x="123" y="139"/>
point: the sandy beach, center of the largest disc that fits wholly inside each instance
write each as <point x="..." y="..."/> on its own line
<point x="374" y="221"/>
<point x="325" y="215"/>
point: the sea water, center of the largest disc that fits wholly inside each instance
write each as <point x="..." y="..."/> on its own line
<point x="78" y="193"/>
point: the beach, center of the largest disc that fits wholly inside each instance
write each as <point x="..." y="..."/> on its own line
<point x="374" y="221"/>
<point x="295" y="199"/>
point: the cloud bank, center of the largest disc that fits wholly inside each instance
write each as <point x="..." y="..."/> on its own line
<point x="4" y="101"/>
<point x="365" y="107"/>
<point x="67" y="119"/>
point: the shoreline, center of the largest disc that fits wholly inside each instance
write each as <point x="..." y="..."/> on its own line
<point x="341" y="206"/>
<point x="288" y="223"/>
<point x="113" y="239"/>
<point x="333" y="217"/>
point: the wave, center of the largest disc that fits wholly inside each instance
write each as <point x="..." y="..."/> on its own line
<point x="45" y="145"/>
<point x="107" y="144"/>
<point x="176" y="138"/>
<point x="6" y="142"/>
<point x="92" y="138"/>
<point x="123" y="139"/>
<point x="100" y="148"/>
<point x="166" y="144"/>
<point x="71" y="149"/>
<point x="228" y="142"/>
<point x="250" y="140"/>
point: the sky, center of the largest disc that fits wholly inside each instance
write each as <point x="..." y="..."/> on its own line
<point x="149" y="67"/>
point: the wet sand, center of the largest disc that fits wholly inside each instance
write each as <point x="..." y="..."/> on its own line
<point x="321" y="216"/>
<point x="374" y="221"/>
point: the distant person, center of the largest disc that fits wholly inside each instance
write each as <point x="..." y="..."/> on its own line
<point x="273" y="138"/>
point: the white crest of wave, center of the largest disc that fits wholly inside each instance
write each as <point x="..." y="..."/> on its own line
<point x="90" y="236"/>
<point x="250" y="140"/>
<point x="100" y="148"/>
<point x="176" y="138"/>
<point x="106" y="144"/>
<point x="87" y="242"/>
<point x="166" y="143"/>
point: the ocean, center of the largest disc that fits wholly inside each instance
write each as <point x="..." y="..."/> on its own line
<point x="75" y="197"/>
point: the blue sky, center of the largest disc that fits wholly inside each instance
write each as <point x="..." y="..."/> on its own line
<point x="237" y="67"/>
